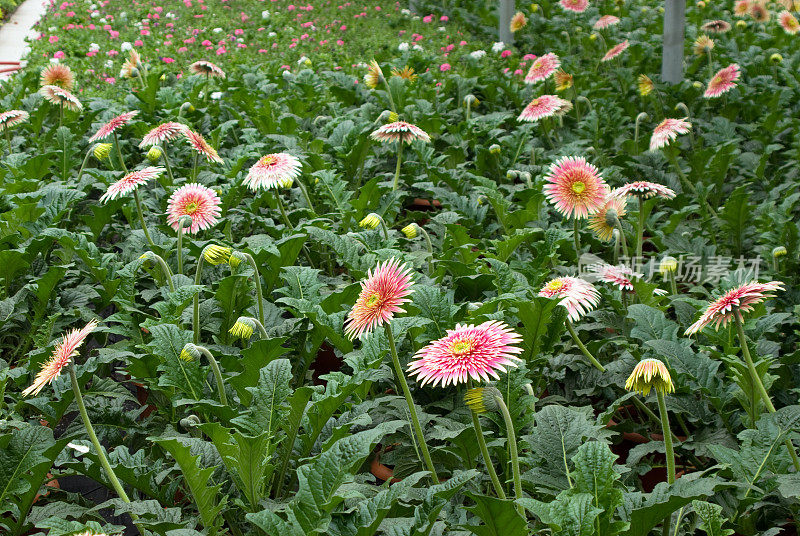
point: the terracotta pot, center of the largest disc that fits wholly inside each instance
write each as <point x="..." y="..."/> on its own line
<point x="425" y="204"/>
<point x="380" y="471"/>
<point x="142" y="394"/>
<point x="51" y="483"/>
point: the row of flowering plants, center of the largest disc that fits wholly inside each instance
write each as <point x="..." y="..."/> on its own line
<point x="435" y="289"/>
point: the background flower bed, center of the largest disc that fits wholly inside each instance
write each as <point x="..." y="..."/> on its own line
<point x="68" y="257"/>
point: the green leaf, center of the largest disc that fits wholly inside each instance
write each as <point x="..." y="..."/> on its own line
<point x="185" y="376"/>
<point x="274" y="386"/>
<point x="650" y="323"/>
<point x="499" y="516"/>
<point x="711" y="517"/>
<point x="535" y="315"/>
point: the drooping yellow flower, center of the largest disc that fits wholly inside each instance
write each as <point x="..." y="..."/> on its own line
<point x="563" y="80"/>
<point x="374" y="75"/>
<point x="650" y="374"/>
<point x="370" y="221"/>
<point x="646" y="85"/>
<point x="482" y="399"/>
<point x="214" y="254"/>
<point x="703" y="44"/>
<point x="406" y="73"/>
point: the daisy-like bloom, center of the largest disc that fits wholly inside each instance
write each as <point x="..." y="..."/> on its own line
<point x="476" y="352"/>
<point x="273" y="170"/>
<point x="162" y="133"/>
<point x="645" y="85"/>
<point x="741" y="8"/>
<point x="544" y="106"/>
<point x="759" y="12"/>
<point x="733" y="303"/>
<point x="382" y="293"/>
<point x="578" y="296"/>
<point x="789" y="23"/>
<point x="109" y="128"/>
<point x="667" y="131"/>
<point x="605" y="21"/>
<point x="406" y="73"/>
<point x="62" y="355"/>
<point x="716" y="26"/>
<point x="374" y="75"/>
<point x="400" y="131"/>
<point x="563" y="80"/>
<point x="615" y="51"/>
<point x="130" y="182"/>
<point x="57" y="95"/>
<point x="542" y="68"/>
<point x="207" y="69"/>
<point x="703" y="44"/>
<point x="518" y="22"/>
<point x="604" y="221"/>
<point x="650" y="374"/>
<point x="643" y="189"/>
<point x="216" y="255"/>
<point x="198" y="202"/>
<point x="621" y="275"/>
<point x="723" y="81"/>
<point x="57" y="74"/>
<point x="199" y="144"/>
<point x="578" y="6"/>
<point x="11" y="118"/>
<point x="575" y="187"/>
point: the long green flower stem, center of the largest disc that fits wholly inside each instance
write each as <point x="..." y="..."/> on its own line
<point x="196" y="301"/>
<point x="141" y="219"/>
<point x="665" y="430"/>
<point x="388" y="93"/>
<point x="430" y="248"/>
<point x="223" y="398"/>
<point x="487" y="460"/>
<point x="8" y="138"/>
<point x="305" y="195"/>
<point x="397" y="169"/>
<point x="401" y="379"/>
<point x="640" y="230"/>
<point x="756" y="378"/>
<point x="672" y="283"/>
<point x="168" y="164"/>
<point x="83" y="164"/>
<point x="194" y="167"/>
<point x="119" y="153"/>
<point x="257" y="277"/>
<point x="576" y="238"/>
<point x="164" y="269"/>
<point x="261" y="329"/>
<point x="101" y="455"/>
<point x="283" y="211"/>
<point x="582" y="348"/>
<point x="512" y="446"/>
<point x="182" y="221"/>
<point x="623" y="241"/>
<point x="686" y="183"/>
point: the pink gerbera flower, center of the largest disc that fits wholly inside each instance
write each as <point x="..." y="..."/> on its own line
<point x="667" y="131"/>
<point x="578" y="6"/>
<point x="578" y="296"/>
<point x="733" y="303"/>
<point x="130" y="182"/>
<point x="575" y="187"/>
<point x="716" y="26"/>
<point x="615" y="51"/>
<point x="164" y="132"/>
<point x="109" y="128"/>
<point x="63" y="353"/>
<point x="203" y="148"/>
<point x="621" y="275"/>
<point x="382" y="293"/>
<point x="723" y="81"/>
<point x="643" y="189"/>
<point x="400" y="131"/>
<point x="545" y="106"/>
<point x="206" y="68"/>
<point x="196" y="201"/>
<point x="475" y="352"/>
<point x="542" y="68"/>
<point x="60" y="96"/>
<point x="57" y="74"/>
<point x="605" y="21"/>
<point x="273" y="170"/>
<point x="12" y="117"/>
<point x="788" y="23"/>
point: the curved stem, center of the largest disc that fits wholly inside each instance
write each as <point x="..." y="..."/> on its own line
<point x="166" y="271"/>
<point x="196" y="302"/>
<point x="662" y="410"/>
<point x="512" y="446"/>
<point x="487" y="460"/>
<point x="384" y="228"/>
<point x="388" y="92"/>
<point x="401" y="379"/>
<point x="223" y="398"/>
<point x="687" y="184"/>
<point x="261" y="330"/>
<point x="397" y="169"/>
<point x="257" y="276"/>
<point x="430" y="248"/>
<point x="305" y="195"/>
<point x="83" y="164"/>
<point x="141" y="219"/>
<point x="623" y="240"/>
<point x="119" y="153"/>
<point x="582" y="348"/>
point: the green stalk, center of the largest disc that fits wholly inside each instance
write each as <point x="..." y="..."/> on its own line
<point x="83" y="164"/>
<point x="388" y="92"/>
<point x="397" y="169"/>
<point x="576" y="238"/>
<point x="756" y="378"/>
<point x="141" y="219"/>
<point x="119" y="153"/>
<point x="169" y="166"/>
<point x="181" y="223"/>
<point x="261" y="330"/>
<point x="487" y="460"/>
<point x="223" y="398"/>
<point x="623" y="240"/>
<point x="165" y="270"/>
<point x="8" y="139"/>
<point x="305" y="195"/>
<point x="640" y="238"/>
<point x="687" y="184"/>
<point x="194" y="167"/>
<point x="662" y="409"/>
<point x="672" y="283"/>
<point x="384" y="228"/>
<point x="283" y="211"/>
<point x="257" y="276"/>
<point x="582" y="348"/>
<point x="401" y="379"/>
<point x="196" y="301"/>
<point x="512" y="445"/>
<point x="430" y="248"/>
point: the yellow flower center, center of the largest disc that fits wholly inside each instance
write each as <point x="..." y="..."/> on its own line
<point x="268" y="160"/>
<point x="460" y="348"/>
<point x="192" y="207"/>
<point x="554" y="286"/>
<point x="373" y="300"/>
<point x="578" y="187"/>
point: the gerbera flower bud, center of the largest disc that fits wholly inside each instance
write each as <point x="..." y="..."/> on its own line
<point x="697" y="85"/>
<point x="740" y="24"/>
<point x="411" y="231"/>
<point x="668" y="265"/>
<point x="237" y="258"/>
<point x="393" y="117"/>
<point x="187" y="107"/>
<point x="494" y="148"/>
<point x="482" y="399"/>
<point x="645" y="85"/>
<point x="154" y="153"/>
<point x="471" y="101"/>
<point x="534" y="8"/>
<point x="370" y="221"/>
<point x="650" y="374"/>
<point x="776" y="58"/>
<point x="102" y="151"/>
<point x="243" y="328"/>
<point x="374" y="75"/>
<point x="778" y="251"/>
<point x="189" y="353"/>
<point x="214" y="254"/>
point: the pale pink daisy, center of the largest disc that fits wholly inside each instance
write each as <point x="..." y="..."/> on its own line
<point x="723" y="81"/>
<point x="615" y="51"/>
<point x="57" y="74"/>
<point x="545" y="106"/>
<point x="382" y="293"/>
<point x="206" y="68"/>
<point x="578" y="6"/>
<point x="130" y="182"/>
<point x="273" y="170"/>
<point x="196" y="201"/>
<point x="576" y="187"/>
<point x="643" y="189"/>
<point x="12" y="117"/>
<point x="400" y="131"/>
<point x="788" y="23"/>
<point x="621" y="276"/>
<point x="741" y="8"/>
<point x="667" y="131"/>
<point x="164" y="132"/>
<point x="199" y="144"/>
<point x="605" y="21"/>
<point x="578" y="296"/>
<point x="117" y="122"/>
<point x="62" y="355"/>
<point x="61" y="96"/>
<point x="733" y="303"/>
<point x="716" y="26"/>
<point x="467" y="352"/>
<point x="542" y="68"/>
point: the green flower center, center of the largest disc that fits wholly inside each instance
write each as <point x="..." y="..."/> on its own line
<point x="578" y="187"/>
<point x="373" y="300"/>
<point x="461" y="347"/>
<point x="192" y="207"/>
